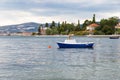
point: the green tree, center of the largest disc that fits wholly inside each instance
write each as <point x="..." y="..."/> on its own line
<point x="58" y="28"/>
<point x="33" y="33"/>
<point x="62" y="27"/>
<point x="58" y="24"/>
<point x="70" y="27"/>
<point x="98" y="28"/>
<point x="52" y="24"/>
<point x="54" y="31"/>
<point x="85" y="24"/>
<point x="107" y="30"/>
<point x="48" y="31"/>
<point x="109" y="24"/>
<point x="77" y="28"/>
<point x="113" y="21"/>
<point x="78" y="23"/>
<point x="99" y="33"/>
<point x="46" y="25"/>
<point x="65" y="26"/>
<point x="103" y="22"/>
<point x="93" y="21"/>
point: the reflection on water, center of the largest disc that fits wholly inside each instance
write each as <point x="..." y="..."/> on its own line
<point x="29" y="58"/>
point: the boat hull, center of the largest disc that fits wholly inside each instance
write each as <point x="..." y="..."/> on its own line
<point x="114" y="37"/>
<point x="77" y="45"/>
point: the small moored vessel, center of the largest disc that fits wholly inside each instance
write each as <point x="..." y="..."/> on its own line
<point x="114" y="37"/>
<point x="71" y="43"/>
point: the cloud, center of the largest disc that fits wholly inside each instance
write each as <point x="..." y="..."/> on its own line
<point x="16" y="17"/>
<point x="18" y="11"/>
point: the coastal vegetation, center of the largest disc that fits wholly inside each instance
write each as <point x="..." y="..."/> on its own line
<point x="106" y="27"/>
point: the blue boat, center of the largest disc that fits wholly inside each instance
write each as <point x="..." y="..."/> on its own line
<point x="71" y="43"/>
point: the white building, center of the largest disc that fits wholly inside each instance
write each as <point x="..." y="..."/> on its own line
<point x="118" y="25"/>
<point x="92" y="27"/>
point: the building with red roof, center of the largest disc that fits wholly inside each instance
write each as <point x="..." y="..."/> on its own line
<point x="91" y="27"/>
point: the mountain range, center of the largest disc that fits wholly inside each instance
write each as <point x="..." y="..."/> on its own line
<point x="24" y="27"/>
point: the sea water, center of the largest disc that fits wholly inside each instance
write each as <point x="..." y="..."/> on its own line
<point x="30" y="58"/>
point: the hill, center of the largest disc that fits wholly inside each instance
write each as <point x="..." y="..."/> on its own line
<point x="24" y="27"/>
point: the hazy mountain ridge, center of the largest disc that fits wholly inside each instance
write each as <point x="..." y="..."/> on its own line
<point x="24" y="27"/>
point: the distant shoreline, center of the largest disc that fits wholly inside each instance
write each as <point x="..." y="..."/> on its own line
<point x="91" y="36"/>
<point x="101" y="36"/>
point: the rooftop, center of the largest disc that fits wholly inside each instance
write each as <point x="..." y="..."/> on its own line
<point x="94" y="25"/>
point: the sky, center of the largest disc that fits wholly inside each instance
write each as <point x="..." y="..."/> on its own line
<point x="42" y="11"/>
